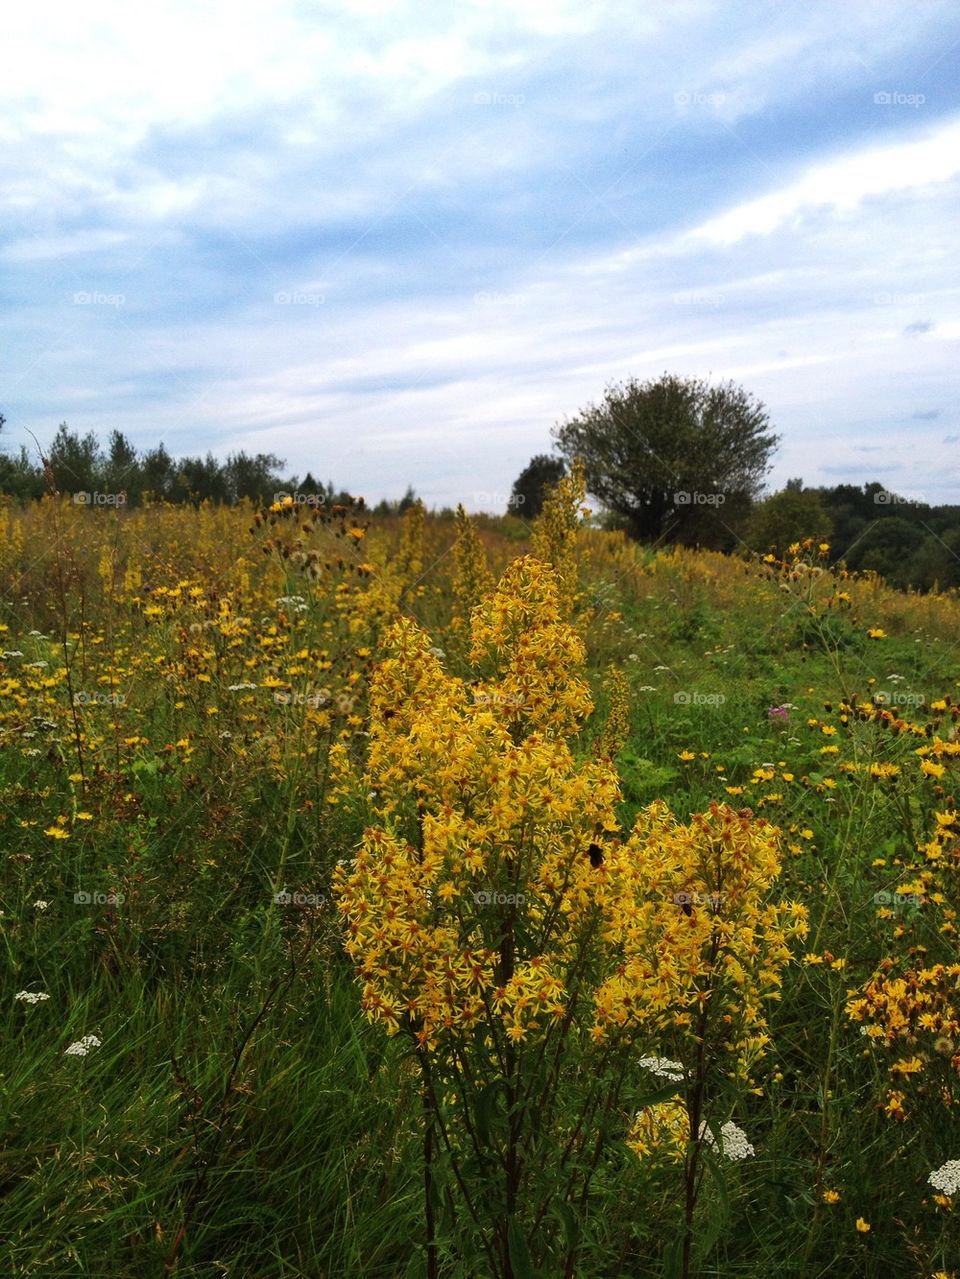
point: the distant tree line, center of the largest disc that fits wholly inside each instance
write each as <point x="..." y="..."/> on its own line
<point x="80" y="465"/>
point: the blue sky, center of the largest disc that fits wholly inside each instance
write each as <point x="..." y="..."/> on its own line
<point x="398" y="243"/>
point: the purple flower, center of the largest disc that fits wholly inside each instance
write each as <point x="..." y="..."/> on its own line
<point x="779" y="712"/>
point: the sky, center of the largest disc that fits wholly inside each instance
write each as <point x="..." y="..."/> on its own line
<point x="399" y="243"/>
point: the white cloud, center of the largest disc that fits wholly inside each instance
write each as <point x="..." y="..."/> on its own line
<point x="841" y="185"/>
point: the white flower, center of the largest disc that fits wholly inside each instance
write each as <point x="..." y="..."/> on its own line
<point x="82" y="1046"/>
<point x="41" y="905"/>
<point x="663" y="1067"/>
<point x="438" y="652"/>
<point x="646" y="688"/>
<point x="30" y="751"/>
<point x="235" y="688"/>
<point x="733" y="1140"/>
<point x="31" y="996"/>
<point x="39" y="665"/>
<point x="946" y="1179"/>
<point x="12" y="652"/>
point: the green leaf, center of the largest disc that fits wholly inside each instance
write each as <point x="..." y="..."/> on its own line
<point x="486" y="1110"/>
<point x="519" y="1252"/>
<point x="712" y="1165"/>
<point x="571" y="1232"/>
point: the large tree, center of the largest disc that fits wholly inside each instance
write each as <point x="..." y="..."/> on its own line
<point x="530" y="486"/>
<point x="680" y="459"/>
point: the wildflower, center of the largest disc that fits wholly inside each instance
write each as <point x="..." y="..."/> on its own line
<point x="863" y="1226"/>
<point x="57" y="832"/>
<point x="664" y="1067"/>
<point x="41" y="905"/>
<point x="733" y="1140"/>
<point x="31" y="996"/>
<point x="82" y="1046"/>
<point x="946" y="1178"/>
<point x="830" y="1196"/>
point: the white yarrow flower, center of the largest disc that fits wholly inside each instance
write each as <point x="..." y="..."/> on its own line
<point x="82" y="1046"/>
<point x="733" y="1140"/>
<point x="946" y="1178"/>
<point x="41" y="905"/>
<point x="663" y="1067"/>
<point x="31" y="996"/>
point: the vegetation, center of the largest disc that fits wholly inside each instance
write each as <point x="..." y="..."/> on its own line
<point x="563" y="908"/>
<point x="675" y="457"/>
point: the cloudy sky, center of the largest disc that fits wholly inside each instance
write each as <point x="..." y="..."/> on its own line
<point x="398" y="242"/>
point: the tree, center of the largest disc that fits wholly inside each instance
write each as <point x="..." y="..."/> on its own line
<point x="76" y="463"/>
<point x="786" y="517"/>
<point x="529" y="488"/>
<point x="679" y="458"/>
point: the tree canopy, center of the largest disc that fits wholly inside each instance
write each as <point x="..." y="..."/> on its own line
<point x="679" y="458"/>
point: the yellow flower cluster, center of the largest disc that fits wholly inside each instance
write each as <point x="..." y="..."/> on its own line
<point x="698" y="939"/>
<point x="494" y="882"/>
<point x="555" y="530"/>
<point x="472" y="578"/>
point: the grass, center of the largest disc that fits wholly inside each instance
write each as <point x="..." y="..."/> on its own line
<point x="240" y="1117"/>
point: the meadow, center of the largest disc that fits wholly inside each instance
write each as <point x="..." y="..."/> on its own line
<point x="416" y="897"/>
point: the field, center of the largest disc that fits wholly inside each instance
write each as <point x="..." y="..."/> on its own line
<point x="396" y="948"/>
